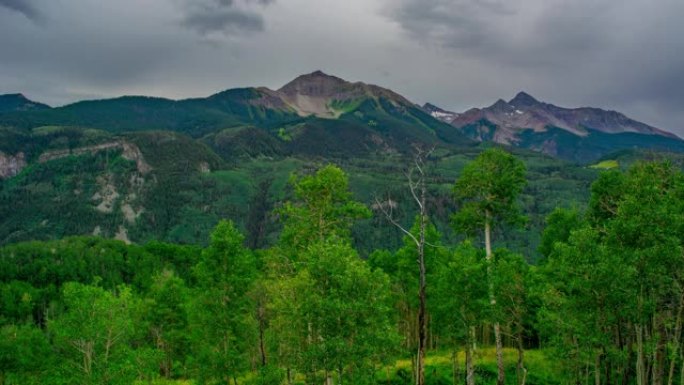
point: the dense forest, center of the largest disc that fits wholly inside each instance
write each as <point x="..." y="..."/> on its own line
<point x="602" y="303"/>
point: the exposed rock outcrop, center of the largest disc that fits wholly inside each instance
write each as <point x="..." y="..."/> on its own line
<point x="11" y="165"/>
<point x="130" y="152"/>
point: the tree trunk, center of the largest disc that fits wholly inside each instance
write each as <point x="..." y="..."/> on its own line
<point x="470" y="367"/>
<point x="500" y="378"/>
<point x="522" y="371"/>
<point x="675" y="343"/>
<point x="681" y="371"/>
<point x="597" y="369"/>
<point x="640" y="355"/>
<point x="454" y="367"/>
<point x="627" y="368"/>
<point x="659" y="354"/>
<point x="418" y="192"/>
<point x="422" y="321"/>
<point x="262" y="347"/>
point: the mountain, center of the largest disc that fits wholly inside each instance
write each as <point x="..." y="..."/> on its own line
<point x="19" y="102"/>
<point x="142" y="168"/>
<point x="438" y="113"/>
<point x="324" y="115"/>
<point x="314" y="113"/>
<point x="578" y="134"/>
<point x="328" y="96"/>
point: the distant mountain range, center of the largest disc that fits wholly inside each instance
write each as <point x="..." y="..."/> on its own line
<point x="322" y="114"/>
<point x="141" y="168"/>
<point x="579" y="134"/>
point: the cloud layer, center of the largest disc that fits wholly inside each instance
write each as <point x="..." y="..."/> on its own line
<point x="223" y="16"/>
<point x="624" y="55"/>
<point x="24" y="7"/>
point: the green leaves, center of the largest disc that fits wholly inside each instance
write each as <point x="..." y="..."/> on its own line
<point x="337" y="311"/>
<point x="620" y="271"/>
<point x="223" y="328"/>
<point x="459" y="294"/>
<point x="489" y="187"/>
<point x="323" y="208"/>
<point x="93" y="335"/>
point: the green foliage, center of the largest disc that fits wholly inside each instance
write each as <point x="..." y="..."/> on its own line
<point x="165" y="315"/>
<point x="323" y="209"/>
<point x="222" y="329"/>
<point x="620" y="271"/>
<point x="26" y="356"/>
<point x="608" y="294"/>
<point x="93" y="335"/>
<point x="559" y="225"/>
<point x="337" y="311"/>
<point x="488" y="189"/>
<point x="459" y="294"/>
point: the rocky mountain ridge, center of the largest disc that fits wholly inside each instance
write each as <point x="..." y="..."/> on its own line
<point x="524" y="112"/>
<point x="321" y="114"/>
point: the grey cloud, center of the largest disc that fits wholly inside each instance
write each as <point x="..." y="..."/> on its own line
<point x="626" y="55"/>
<point x="25" y="7"/>
<point x="227" y="17"/>
<point x="522" y="32"/>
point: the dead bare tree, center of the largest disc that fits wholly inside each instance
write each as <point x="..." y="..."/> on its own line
<point x="417" y="186"/>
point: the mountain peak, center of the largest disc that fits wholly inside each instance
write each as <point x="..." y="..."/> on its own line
<point x="429" y="107"/>
<point x="523" y="99"/>
<point x="316" y="83"/>
<point x="500" y="106"/>
<point x="318" y="73"/>
<point x="16" y="96"/>
<point x="19" y="102"/>
<point x="439" y="113"/>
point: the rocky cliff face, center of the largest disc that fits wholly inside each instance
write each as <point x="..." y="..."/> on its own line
<point x="130" y="152"/>
<point x="11" y="165"/>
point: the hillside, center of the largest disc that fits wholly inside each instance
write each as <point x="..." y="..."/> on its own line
<point x="160" y="185"/>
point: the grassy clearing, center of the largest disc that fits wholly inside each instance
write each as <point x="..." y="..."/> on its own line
<point x="439" y="370"/>
<point x="606" y="165"/>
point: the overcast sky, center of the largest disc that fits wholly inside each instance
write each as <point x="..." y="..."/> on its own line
<point x="626" y="55"/>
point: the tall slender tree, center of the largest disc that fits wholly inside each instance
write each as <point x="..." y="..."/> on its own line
<point x="460" y="292"/>
<point x="487" y="191"/>
<point x="220" y="316"/>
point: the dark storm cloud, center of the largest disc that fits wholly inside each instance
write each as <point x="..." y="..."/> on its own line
<point x="223" y="16"/>
<point x="25" y="7"/>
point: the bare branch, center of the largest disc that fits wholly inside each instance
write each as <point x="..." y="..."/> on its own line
<point x="388" y="214"/>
